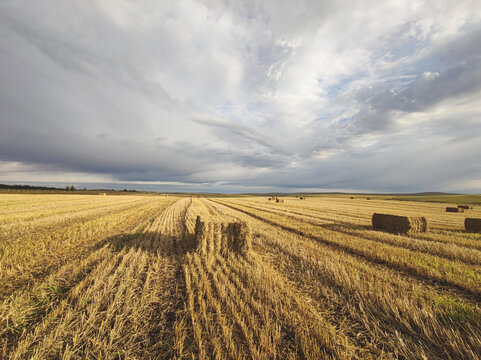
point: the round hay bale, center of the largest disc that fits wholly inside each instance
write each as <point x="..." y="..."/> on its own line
<point x="399" y="224"/>
<point x="472" y="225"/>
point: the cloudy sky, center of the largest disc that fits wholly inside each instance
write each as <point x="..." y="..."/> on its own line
<point x="241" y="96"/>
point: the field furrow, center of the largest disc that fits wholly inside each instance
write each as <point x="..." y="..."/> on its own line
<point x="372" y="301"/>
<point x="450" y="250"/>
<point x="130" y="286"/>
<point x="464" y="277"/>
<point x="25" y="262"/>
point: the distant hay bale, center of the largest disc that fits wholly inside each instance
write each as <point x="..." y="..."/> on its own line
<point x="399" y="224"/>
<point x="472" y="225"/>
<point x="279" y="200"/>
<point x="454" y="209"/>
<point x="368" y="198"/>
<point x="352" y="197"/>
<point x="463" y="207"/>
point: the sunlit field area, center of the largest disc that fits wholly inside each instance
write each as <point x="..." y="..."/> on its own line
<point x="165" y="277"/>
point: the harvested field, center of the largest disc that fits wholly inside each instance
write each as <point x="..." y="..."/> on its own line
<point x="155" y="277"/>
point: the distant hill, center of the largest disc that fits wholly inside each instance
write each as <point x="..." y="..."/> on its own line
<point x="432" y="193"/>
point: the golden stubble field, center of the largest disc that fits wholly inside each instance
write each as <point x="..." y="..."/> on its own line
<point x="121" y="277"/>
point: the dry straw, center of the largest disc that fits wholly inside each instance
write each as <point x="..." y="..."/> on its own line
<point x="472" y="225"/>
<point x="399" y="224"/>
<point x="454" y="209"/>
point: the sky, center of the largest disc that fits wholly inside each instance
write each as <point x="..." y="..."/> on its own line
<point x="242" y="96"/>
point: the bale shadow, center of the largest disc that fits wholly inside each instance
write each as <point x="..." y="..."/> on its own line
<point x="341" y="226"/>
<point x="152" y="242"/>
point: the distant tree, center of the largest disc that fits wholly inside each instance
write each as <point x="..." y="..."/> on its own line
<point x="67" y="188"/>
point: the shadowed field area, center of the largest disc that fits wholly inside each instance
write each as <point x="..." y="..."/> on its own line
<point x="156" y="277"/>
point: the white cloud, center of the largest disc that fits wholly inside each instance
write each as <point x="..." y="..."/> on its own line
<point x="430" y="75"/>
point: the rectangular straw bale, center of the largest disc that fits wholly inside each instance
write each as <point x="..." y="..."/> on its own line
<point x="398" y="224"/>
<point x="220" y="238"/>
<point x="239" y="237"/>
<point x="472" y="225"/>
<point x="463" y="207"/>
<point x="454" y="209"/>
